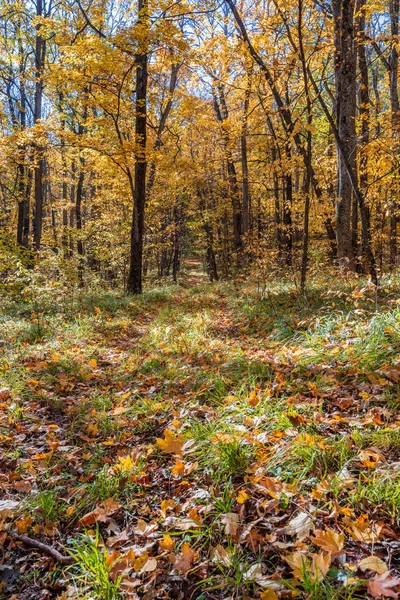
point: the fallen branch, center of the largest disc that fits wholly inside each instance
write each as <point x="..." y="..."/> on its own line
<point x="64" y="560"/>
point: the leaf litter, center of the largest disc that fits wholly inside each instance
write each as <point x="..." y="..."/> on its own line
<point x="214" y="462"/>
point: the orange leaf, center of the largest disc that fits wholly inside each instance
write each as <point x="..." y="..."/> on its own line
<point x="329" y="540"/>
<point x="184" y="560"/>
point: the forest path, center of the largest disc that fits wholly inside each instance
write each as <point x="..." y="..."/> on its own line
<point x="193" y="272"/>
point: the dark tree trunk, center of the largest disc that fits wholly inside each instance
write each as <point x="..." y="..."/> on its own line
<point x="364" y="101"/>
<point x="308" y="162"/>
<point x="134" y="283"/>
<point x="40" y="54"/>
<point x="345" y="101"/>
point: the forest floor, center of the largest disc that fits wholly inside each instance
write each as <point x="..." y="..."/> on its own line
<point x="202" y="442"/>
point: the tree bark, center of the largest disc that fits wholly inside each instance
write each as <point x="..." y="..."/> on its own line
<point x="395" y="117"/>
<point x="134" y="282"/>
<point x="40" y="54"/>
<point x="345" y="104"/>
<point x="243" y="145"/>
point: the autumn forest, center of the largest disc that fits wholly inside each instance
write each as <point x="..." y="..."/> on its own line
<point x="199" y="299"/>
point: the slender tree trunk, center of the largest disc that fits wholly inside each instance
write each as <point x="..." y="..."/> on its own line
<point x="287" y="233"/>
<point x="221" y="112"/>
<point x="40" y="54"/>
<point x="345" y="101"/>
<point x="395" y="116"/>
<point x="243" y="144"/>
<point x="364" y="101"/>
<point x="134" y="283"/>
<point x="308" y="164"/>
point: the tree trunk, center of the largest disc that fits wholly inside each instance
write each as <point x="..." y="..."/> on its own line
<point x="364" y="100"/>
<point x="221" y="112"/>
<point x="134" y="283"/>
<point x="243" y="144"/>
<point x="40" y="53"/>
<point x="345" y="81"/>
<point x="395" y="116"/>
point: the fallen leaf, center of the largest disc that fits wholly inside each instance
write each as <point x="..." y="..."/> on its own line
<point x="329" y="540"/>
<point x="383" y="585"/>
<point x="268" y="595"/>
<point x="167" y="543"/>
<point x="183" y="561"/>
<point x="299" y="526"/>
<point x="253" y="399"/>
<point x="145" y="529"/>
<point x="7" y="506"/>
<point x="373" y="563"/>
<point x="4" y="394"/>
<point x="242" y="497"/>
<point x="231" y="522"/>
<point x="101" y="513"/>
<point x="24" y="524"/>
<point x="171" y="444"/>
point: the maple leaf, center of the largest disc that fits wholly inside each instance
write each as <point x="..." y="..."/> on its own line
<point x="183" y="561"/>
<point x="101" y="513"/>
<point x="329" y="540"/>
<point x="171" y="444"/>
<point x="383" y="585"/>
<point x="167" y="543"/>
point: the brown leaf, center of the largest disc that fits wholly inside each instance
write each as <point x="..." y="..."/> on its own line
<point x="101" y="513"/>
<point x="231" y="522"/>
<point x="4" y="394"/>
<point x="383" y="585"/>
<point x="184" y="560"/>
<point x="145" y="529"/>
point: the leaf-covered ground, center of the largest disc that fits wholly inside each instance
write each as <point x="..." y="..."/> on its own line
<point x="202" y="442"/>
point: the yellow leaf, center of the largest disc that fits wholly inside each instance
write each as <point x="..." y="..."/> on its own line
<point x="125" y="463"/>
<point x="242" y="497"/>
<point x="171" y="444"/>
<point x="92" y="363"/>
<point x="269" y="595"/>
<point x="167" y="543"/>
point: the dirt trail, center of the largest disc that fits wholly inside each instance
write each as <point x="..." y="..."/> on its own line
<point x="193" y="272"/>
